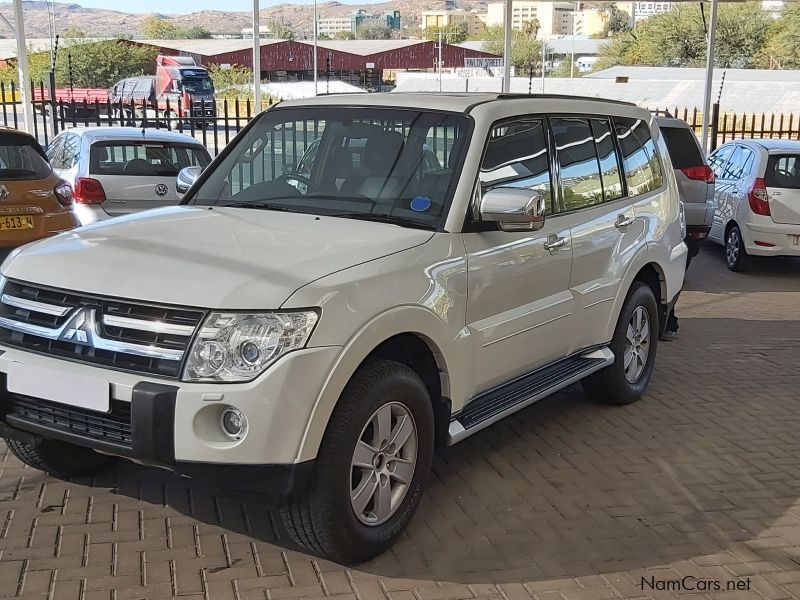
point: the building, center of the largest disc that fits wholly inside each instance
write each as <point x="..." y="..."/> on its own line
<point x="330" y="26"/>
<point x="474" y="20"/>
<point x="554" y="18"/>
<point x="644" y="10"/>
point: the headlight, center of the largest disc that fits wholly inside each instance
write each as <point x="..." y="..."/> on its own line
<point x="240" y="346"/>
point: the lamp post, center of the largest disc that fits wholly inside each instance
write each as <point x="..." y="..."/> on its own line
<point x="256" y="57"/>
<point x="316" y="26"/>
<point x="22" y="68"/>
<point x="508" y="34"/>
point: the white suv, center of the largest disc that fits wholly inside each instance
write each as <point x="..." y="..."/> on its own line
<point x="314" y="335"/>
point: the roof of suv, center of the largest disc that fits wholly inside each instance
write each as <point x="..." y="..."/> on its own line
<point x="457" y="102"/>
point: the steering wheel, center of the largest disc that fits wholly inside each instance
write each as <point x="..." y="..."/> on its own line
<point x="786" y="173"/>
<point x="287" y="177"/>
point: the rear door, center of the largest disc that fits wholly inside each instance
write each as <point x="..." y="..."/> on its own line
<point x="782" y="178"/>
<point x="139" y="175"/>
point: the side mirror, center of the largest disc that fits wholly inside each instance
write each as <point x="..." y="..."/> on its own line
<point x="515" y="209"/>
<point x="186" y="177"/>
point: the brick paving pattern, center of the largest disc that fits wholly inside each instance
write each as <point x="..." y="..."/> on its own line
<point x="566" y="500"/>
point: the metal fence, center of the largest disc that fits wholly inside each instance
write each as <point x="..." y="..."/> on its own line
<point x="212" y="123"/>
<point x="216" y="123"/>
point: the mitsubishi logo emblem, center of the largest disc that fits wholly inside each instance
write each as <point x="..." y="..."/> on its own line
<point x="80" y="327"/>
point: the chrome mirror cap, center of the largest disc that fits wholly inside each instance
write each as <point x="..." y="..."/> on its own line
<point x="186" y="177"/>
<point x="515" y="209"/>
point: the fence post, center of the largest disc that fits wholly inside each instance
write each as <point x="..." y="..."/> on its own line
<point x="14" y="104"/>
<point x="53" y="111"/>
<point x="714" y="125"/>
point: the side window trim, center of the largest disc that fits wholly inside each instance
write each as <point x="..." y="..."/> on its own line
<point x="664" y="168"/>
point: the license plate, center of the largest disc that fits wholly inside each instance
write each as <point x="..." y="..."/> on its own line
<point x="18" y="222"/>
<point x="58" y="386"/>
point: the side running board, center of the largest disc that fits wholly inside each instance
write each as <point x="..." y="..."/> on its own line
<point x="493" y="405"/>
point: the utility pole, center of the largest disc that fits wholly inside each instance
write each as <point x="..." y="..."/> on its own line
<point x="544" y="57"/>
<point x="712" y="31"/>
<point x="440" y="60"/>
<point x="256" y="57"/>
<point x="22" y="68"/>
<point x="316" y="74"/>
<point x="508" y="35"/>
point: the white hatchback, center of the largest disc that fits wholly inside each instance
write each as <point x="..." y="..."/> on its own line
<point x="121" y="170"/>
<point x="757" y="199"/>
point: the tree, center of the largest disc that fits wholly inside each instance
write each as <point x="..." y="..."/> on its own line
<point x="616" y="21"/>
<point x="454" y="33"/>
<point x="279" y="31"/>
<point x="526" y="52"/>
<point x="344" y="35"/>
<point x="160" y="29"/>
<point x="783" y="46"/>
<point x="531" y="28"/>
<point x="373" y="31"/>
<point x="233" y="82"/>
<point x="677" y="39"/>
<point x="101" y="64"/>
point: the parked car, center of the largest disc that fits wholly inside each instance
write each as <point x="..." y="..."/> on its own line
<point x="316" y="345"/>
<point x="120" y="170"/>
<point x="695" y="179"/>
<point x="34" y="201"/>
<point x="757" y="199"/>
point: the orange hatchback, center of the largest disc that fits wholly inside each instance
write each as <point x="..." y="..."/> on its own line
<point x="34" y="202"/>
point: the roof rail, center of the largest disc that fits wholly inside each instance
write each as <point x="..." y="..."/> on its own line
<point x="562" y="97"/>
<point x="661" y="113"/>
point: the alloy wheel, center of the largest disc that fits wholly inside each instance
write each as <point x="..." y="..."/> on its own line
<point x="732" y="248"/>
<point x="637" y="345"/>
<point x="383" y="464"/>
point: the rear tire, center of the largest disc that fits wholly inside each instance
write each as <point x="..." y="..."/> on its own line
<point x="368" y="477"/>
<point x="634" y="346"/>
<point x="735" y="253"/>
<point x="60" y="459"/>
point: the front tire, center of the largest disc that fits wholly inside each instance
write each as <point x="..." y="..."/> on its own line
<point x="634" y="346"/>
<point x="735" y="253"/>
<point x="60" y="459"/>
<point x="371" y="468"/>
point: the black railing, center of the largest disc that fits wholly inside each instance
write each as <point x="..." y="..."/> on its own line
<point x="214" y="123"/>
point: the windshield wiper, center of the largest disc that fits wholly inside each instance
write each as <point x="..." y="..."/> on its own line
<point x="381" y="218"/>
<point x="259" y="205"/>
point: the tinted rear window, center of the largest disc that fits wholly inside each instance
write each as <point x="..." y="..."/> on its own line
<point x="783" y="171"/>
<point x="144" y="159"/>
<point x="22" y="158"/>
<point x="682" y="146"/>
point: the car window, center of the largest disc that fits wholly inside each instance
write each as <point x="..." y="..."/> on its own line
<point x="516" y="156"/>
<point x="54" y="152"/>
<point x="641" y="161"/>
<point x="783" y="171"/>
<point x="144" y="158"/>
<point x="21" y="158"/>
<point x="682" y="146"/>
<point x="581" y="183"/>
<point x="609" y="163"/>
<point x="718" y="159"/>
<point x="740" y="164"/>
<point x="70" y="151"/>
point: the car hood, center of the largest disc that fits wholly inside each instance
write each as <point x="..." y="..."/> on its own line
<point x="213" y="258"/>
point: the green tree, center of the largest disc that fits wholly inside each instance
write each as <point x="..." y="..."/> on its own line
<point x="101" y="64"/>
<point x="616" y="21"/>
<point x="526" y="51"/>
<point x="454" y="33"/>
<point x="782" y="49"/>
<point x="677" y="39"/>
<point x="373" y="31"/>
<point x="195" y="32"/>
<point x="279" y="31"/>
<point x="234" y="82"/>
<point x="531" y="28"/>
<point x="156" y="28"/>
<point x="344" y="35"/>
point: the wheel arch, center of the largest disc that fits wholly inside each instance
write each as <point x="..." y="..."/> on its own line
<point x="410" y="335"/>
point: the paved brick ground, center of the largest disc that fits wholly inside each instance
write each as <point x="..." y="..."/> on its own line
<point x="566" y="500"/>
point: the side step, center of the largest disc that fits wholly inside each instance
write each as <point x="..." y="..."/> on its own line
<point x="493" y="405"/>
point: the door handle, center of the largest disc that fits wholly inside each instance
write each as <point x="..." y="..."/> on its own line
<point x="555" y="243"/>
<point x="624" y="222"/>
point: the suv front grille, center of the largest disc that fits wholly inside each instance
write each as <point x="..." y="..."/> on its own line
<point x="124" y="335"/>
<point x="113" y="427"/>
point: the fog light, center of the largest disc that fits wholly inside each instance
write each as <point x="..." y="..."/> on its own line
<point x="233" y="423"/>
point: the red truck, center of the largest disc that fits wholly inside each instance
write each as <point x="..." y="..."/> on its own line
<point x="179" y="91"/>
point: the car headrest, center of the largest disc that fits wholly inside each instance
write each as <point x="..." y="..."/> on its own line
<point x="381" y="151"/>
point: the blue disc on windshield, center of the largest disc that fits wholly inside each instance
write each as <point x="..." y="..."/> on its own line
<point x="421" y="204"/>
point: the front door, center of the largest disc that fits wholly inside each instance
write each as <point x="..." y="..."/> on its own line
<point x="519" y="305"/>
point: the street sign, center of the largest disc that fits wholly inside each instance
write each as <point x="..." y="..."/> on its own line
<point x="483" y="63"/>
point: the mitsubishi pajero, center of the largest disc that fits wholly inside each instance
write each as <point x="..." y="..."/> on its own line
<point x="439" y="262"/>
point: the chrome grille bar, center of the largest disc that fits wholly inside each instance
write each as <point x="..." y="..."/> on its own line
<point x="151" y="326"/>
<point x="34" y="306"/>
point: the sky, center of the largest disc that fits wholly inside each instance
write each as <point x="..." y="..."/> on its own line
<point x="186" y="6"/>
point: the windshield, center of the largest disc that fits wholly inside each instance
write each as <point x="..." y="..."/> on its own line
<point x="20" y="158"/>
<point x="380" y="163"/>
<point x="197" y="85"/>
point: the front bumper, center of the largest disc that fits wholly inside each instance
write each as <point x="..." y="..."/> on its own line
<point x="177" y="425"/>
